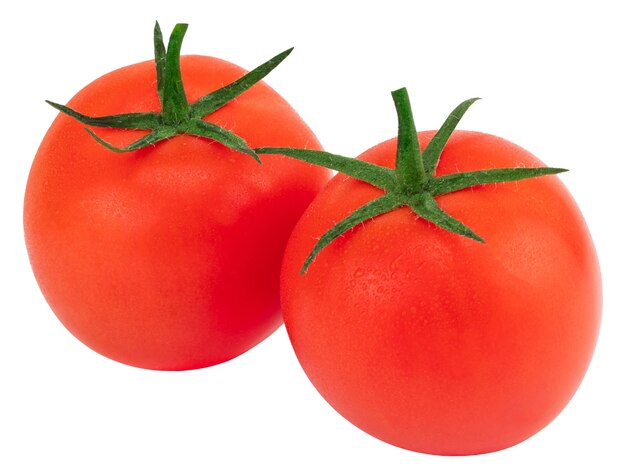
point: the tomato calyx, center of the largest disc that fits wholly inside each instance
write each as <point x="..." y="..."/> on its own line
<point x="177" y="116"/>
<point x="413" y="182"/>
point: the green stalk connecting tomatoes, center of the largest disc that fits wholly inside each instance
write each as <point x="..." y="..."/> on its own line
<point x="436" y="294"/>
<point x="167" y="256"/>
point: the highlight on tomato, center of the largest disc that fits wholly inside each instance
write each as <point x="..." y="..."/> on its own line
<point x="442" y="292"/>
<point x="156" y="236"/>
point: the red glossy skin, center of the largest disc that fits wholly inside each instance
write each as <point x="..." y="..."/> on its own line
<point x="434" y="342"/>
<point x="167" y="257"/>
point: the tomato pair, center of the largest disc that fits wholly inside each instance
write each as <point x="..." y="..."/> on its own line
<point x="433" y="309"/>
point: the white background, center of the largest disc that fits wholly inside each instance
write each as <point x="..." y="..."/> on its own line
<point x="552" y="78"/>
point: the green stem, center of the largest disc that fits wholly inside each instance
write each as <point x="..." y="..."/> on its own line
<point x="175" y="105"/>
<point x="213" y="101"/>
<point x="372" y="209"/>
<point x="159" y="59"/>
<point x="177" y="115"/>
<point x="409" y="164"/>
<point x="134" y="120"/>
<point x="433" y="150"/>
<point x="413" y="182"/>
<point x="427" y="207"/>
<point x="201" y="128"/>
<point x="462" y="180"/>
<point x="156" y="135"/>
<point x="378" y="176"/>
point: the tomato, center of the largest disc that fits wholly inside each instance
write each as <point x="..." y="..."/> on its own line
<point x="438" y="343"/>
<point x="167" y="257"/>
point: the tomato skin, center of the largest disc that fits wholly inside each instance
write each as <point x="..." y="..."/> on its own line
<point x="434" y="342"/>
<point x="167" y="257"/>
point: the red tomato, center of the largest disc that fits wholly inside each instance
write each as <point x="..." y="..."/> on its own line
<point x="167" y="257"/>
<point x="435" y="342"/>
